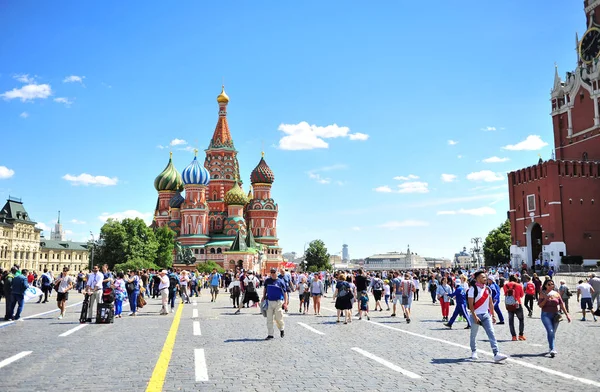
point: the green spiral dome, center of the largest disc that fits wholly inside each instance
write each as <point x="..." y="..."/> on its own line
<point x="236" y="196"/>
<point x="169" y="179"/>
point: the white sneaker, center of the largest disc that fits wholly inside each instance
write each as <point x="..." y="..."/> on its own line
<point x="172" y="310"/>
<point x="474" y="355"/>
<point x="553" y="353"/>
<point x="499" y="357"/>
<point x="60" y="317"/>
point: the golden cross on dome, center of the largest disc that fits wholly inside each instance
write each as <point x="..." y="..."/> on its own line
<point x="170" y="154"/>
<point x="195" y="152"/>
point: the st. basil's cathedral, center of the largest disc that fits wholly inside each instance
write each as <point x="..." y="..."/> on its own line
<point x="209" y="211"/>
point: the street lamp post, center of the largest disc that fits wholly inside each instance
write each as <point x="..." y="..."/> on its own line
<point x="93" y="247"/>
<point x="476" y="249"/>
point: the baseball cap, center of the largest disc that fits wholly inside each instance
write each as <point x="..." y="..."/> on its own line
<point x="273" y="269"/>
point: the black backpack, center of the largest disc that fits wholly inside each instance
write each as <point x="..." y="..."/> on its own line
<point x="173" y="282"/>
<point x="250" y="286"/>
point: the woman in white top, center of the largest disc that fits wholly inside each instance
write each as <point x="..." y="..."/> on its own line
<point x="416" y="293"/>
<point x="163" y="288"/>
<point x="316" y="291"/>
<point x="304" y="294"/>
<point x="183" y="287"/>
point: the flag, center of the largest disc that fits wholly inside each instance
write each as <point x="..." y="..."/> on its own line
<point x="32" y="292"/>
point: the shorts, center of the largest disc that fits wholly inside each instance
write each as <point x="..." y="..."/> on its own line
<point x="316" y="294"/>
<point x="588" y="302"/>
<point x="214" y="289"/>
<point x="397" y="300"/>
<point x="65" y="297"/>
<point x="253" y="296"/>
<point x="408" y="302"/>
<point x="377" y="294"/>
<point x="364" y="308"/>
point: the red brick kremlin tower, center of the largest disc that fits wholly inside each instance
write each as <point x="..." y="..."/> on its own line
<point x="214" y="215"/>
<point x="553" y="211"/>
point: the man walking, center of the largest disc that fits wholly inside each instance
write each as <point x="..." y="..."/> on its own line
<point x="407" y="291"/>
<point x="46" y="285"/>
<point x="7" y="283"/>
<point x="479" y="298"/>
<point x="163" y="289"/>
<point x="65" y="283"/>
<point x="584" y="294"/>
<point x="19" y="286"/>
<point x="215" y="283"/>
<point x="495" y="297"/>
<point x="595" y="283"/>
<point x="94" y="289"/>
<point x="361" y="283"/>
<point x="513" y="294"/>
<point x="276" y="296"/>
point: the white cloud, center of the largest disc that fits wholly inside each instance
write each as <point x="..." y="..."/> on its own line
<point x="463" y="199"/>
<point x="178" y="142"/>
<point x="459" y="156"/>
<point x="146" y="216"/>
<point x="88" y="179"/>
<point x="74" y="79"/>
<point x="533" y="142"/>
<point x="452" y="142"/>
<point x="5" y="173"/>
<point x="406" y="178"/>
<point x="317" y="177"/>
<point x="485" y="175"/>
<point x="303" y="136"/>
<point x="495" y="159"/>
<point x="383" y="189"/>
<point x="448" y="177"/>
<point x="314" y="174"/>
<point x="488" y="129"/>
<point x="405" y="223"/>
<point x="29" y="92"/>
<point x="356" y="228"/>
<point x="24" y="78"/>
<point x="24" y="115"/>
<point x="68" y="232"/>
<point x="413" y="187"/>
<point x="474" y="211"/>
<point x="77" y="222"/>
<point x="64" y="100"/>
<point x="358" y="136"/>
<point x="43" y="226"/>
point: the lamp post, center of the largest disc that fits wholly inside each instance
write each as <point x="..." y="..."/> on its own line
<point x="93" y="247"/>
<point x="476" y="249"/>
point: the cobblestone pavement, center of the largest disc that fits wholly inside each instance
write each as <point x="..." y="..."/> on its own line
<point x="316" y="354"/>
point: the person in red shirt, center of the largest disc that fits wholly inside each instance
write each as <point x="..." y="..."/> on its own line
<point x="513" y="296"/>
<point x="30" y="278"/>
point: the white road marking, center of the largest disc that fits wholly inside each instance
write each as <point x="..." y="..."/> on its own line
<point x="10" y="360"/>
<point x="519" y="362"/>
<point x="36" y="315"/>
<point x="195" y="313"/>
<point x="386" y="363"/>
<point x="200" y="365"/>
<point x="197" y="328"/>
<point x="536" y="345"/>
<point x="70" y="331"/>
<point x="194" y="303"/>
<point x="311" y="328"/>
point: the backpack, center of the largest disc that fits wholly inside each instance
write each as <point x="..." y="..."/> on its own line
<point x="173" y="282"/>
<point x="433" y="286"/>
<point x="509" y="300"/>
<point x="250" y="286"/>
<point x="235" y="291"/>
<point x="530" y="289"/>
<point x="45" y="280"/>
<point x="344" y="290"/>
<point x="378" y="285"/>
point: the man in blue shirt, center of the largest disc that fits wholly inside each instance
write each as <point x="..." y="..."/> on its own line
<point x="215" y="283"/>
<point x="276" y="295"/>
<point x="496" y="297"/>
<point x="461" y="305"/>
<point x="19" y="286"/>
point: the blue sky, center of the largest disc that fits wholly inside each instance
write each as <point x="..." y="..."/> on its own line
<point x="376" y="119"/>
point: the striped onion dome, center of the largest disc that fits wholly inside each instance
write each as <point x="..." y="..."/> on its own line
<point x="195" y="173"/>
<point x="176" y="201"/>
<point x="169" y="179"/>
<point x="236" y="196"/>
<point x="262" y="173"/>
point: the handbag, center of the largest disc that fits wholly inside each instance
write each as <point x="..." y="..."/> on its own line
<point x="452" y="302"/>
<point x="141" y="302"/>
<point x="557" y="317"/>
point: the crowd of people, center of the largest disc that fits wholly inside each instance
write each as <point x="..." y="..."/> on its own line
<point x="475" y="294"/>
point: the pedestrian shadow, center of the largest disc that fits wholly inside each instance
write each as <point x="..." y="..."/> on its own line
<point x="441" y="361"/>
<point x="243" y="340"/>
<point x="497" y="340"/>
<point x="528" y="355"/>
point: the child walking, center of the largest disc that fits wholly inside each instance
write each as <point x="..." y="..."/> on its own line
<point x="364" y="305"/>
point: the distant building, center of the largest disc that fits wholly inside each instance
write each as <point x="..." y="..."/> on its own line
<point x="463" y="258"/>
<point x="335" y="260"/>
<point x="55" y="255"/>
<point x="19" y="238"/>
<point x="290" y="256"/>
<point x="438" y="262"/>
<point x="58" y="234"/>
<point x="345" y="253"/>
<point x="395" y="261"/>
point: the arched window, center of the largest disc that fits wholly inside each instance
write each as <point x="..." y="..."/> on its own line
<point x="212" y="251"/>
<point x="584" y="157"/>
<point x="218" y="250"/>
<point x="202" y="251"/>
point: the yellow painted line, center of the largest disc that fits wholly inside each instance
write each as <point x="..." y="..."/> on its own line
<point x="160" y="370"/>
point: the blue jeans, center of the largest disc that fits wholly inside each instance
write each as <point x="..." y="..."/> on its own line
<point x="118" y="306"/>
<point x="172" y="295"/>
<point x="133" y="300"/>
<point x="16" y="299"/>
<point x="498" y="311"/>
<point x="550" y="325"/>
<point x="486" y="323"/>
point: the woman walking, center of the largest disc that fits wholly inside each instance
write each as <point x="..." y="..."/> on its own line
<point x="133" y="289"/>
<point x="304" y="295"/>
<point x="551" y="302"/>
<point x="316" y="291"/>
<point x="529" y="288"/>
<point x="443" y="292"/>
<point x="343" y="298"/>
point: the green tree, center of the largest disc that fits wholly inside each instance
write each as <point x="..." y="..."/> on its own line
<point x="165" y="237"/>
<point x="134" y="264"/>
<point x="316" y="256"/>
<point x="128" y="240"/>
<point x="208" y="266"/>
<point x="496" y="247"/>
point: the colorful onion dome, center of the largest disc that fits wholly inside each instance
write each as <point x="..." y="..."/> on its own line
<point x="223" y="97"/>
<point x="169" y="179"/>
<point x="176" y="201"/>
<point x="236" y="196"/>
<point x="195" y="173"/>
<point x="262" y="173"/>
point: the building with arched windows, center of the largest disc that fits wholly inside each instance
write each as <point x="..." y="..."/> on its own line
<point x="211" y="214"/>
<point x="553" y="212"/>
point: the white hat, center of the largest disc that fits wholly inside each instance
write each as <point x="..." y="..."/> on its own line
<point x="492" y="278"/>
